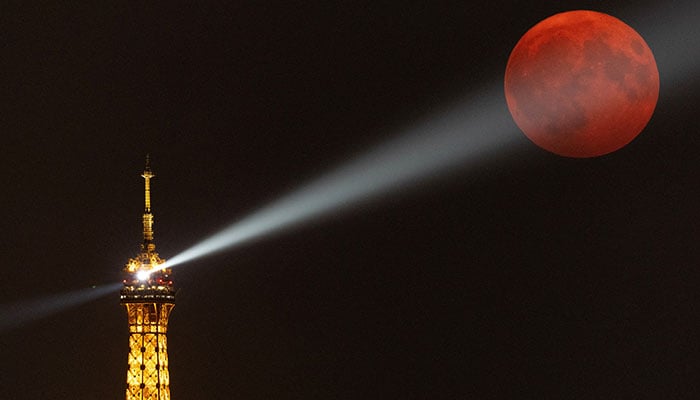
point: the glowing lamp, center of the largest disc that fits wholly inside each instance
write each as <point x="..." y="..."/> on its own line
<point x="142" y="275"/>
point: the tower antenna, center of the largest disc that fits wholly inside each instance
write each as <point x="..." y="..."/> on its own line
<point x="148" y="244"/>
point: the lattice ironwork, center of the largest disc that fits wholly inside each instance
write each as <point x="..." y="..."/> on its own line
<point x="147" y="376"/>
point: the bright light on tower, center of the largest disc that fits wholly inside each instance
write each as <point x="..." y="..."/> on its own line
<point x="143" y="275"/>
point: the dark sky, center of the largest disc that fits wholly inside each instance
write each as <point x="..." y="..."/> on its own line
<point x="541" y="276"/>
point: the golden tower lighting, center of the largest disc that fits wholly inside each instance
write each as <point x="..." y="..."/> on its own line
<point x="149" y="296"/>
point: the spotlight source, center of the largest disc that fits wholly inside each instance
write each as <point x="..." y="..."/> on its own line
<point x="143" y="275"/>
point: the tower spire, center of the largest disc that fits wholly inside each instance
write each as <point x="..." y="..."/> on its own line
<point x="147" y="215"/>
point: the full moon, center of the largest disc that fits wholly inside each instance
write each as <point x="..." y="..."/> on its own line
<point x="581" y="84"/>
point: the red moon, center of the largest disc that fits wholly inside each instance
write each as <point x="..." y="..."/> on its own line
<point x="581" y="84"/>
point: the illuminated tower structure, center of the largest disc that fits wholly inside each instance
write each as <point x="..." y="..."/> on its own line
<point x="149" y="296"/>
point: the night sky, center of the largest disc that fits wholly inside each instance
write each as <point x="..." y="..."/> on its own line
<point x="528" y="275"/>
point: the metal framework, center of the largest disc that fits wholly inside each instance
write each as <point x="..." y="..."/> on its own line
<point x="149" y="297"/>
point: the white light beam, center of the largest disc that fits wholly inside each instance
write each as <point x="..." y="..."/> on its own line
<point x="461" y="136"/>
